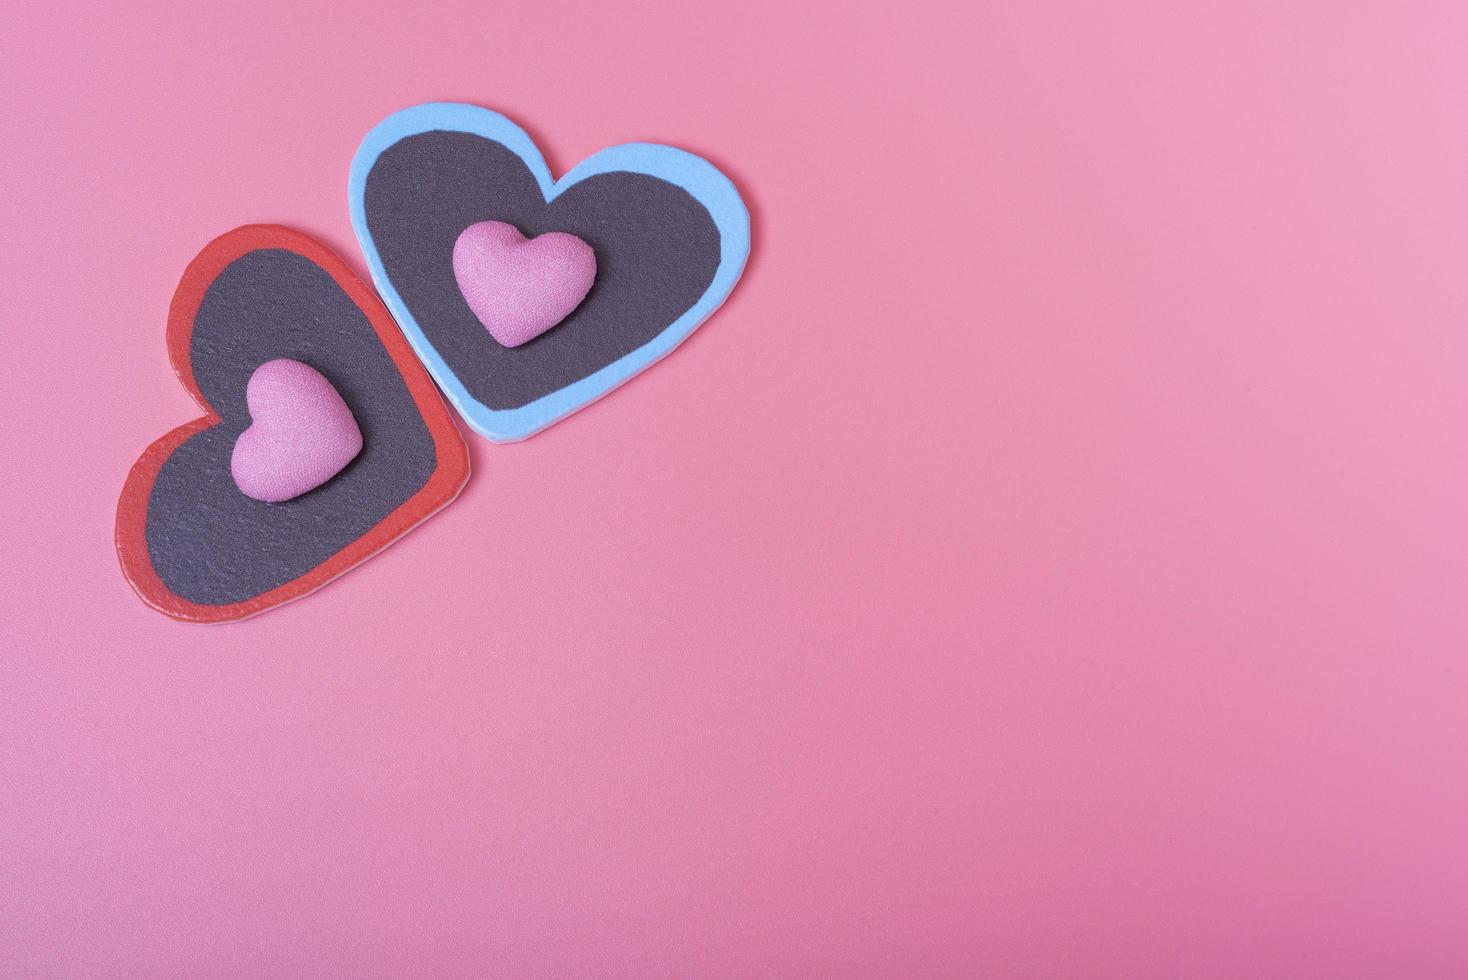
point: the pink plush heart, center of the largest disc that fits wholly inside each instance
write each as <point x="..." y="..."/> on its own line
<point x="519" y="288"/>
<point x="301" y="433"/>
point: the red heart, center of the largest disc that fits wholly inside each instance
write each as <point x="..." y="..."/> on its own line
<point x="450" y="461"/>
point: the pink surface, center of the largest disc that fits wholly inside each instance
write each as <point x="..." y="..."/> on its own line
<point x="519" y="288"/>
<point x="1050" y="562"/>
<point x="301" y="433"/>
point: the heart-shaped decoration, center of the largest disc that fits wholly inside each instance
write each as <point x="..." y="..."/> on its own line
<point x="301" y="434"/>
<point x="520" y="287"/>
<point x="299" y="369"/>
<point x="670" y="236"/>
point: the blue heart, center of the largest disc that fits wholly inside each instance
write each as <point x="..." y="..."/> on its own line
<point x="694" y="175"/>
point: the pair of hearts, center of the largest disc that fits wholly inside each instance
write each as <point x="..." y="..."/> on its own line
<point x="280" y="344"/>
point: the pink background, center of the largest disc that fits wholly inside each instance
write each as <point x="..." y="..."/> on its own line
<point x="1051" y="562"/>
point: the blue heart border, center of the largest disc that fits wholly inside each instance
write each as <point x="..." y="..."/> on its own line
<point x="694" y="174"/>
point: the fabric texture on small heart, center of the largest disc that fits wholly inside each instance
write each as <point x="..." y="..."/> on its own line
<point x="520" y="287"/>
<point x="302" y="433"/>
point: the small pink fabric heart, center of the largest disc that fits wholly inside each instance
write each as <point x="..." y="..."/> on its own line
<point x="519" y="288"/>
<point x="301" y="433"/>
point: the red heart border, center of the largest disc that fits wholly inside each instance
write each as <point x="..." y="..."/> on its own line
<point x="447" y="479"/>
